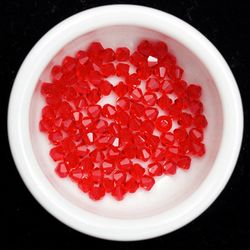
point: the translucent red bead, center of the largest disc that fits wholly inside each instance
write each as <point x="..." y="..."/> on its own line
<point x="153" y="128"/>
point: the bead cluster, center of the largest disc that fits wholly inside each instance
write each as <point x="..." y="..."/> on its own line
<point x="101" y="147"/>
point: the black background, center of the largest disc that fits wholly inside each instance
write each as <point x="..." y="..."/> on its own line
<point x="225" y="225"/>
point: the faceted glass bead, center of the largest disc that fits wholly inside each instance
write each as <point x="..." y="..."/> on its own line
<point x="134" y="124"/>
<point x="133" y="80"/>
<point x="56" y="73"/>
<point x="164" y="102"/>
<point x="94" y="49"/>
<point x="151" y="113"/>
<point x="180" y="134"/>
<point x="155" y="169"/>
<point x="200" y="121"/>
<point x="184" y="162"/>
<point x="185" y="120"/>
<point x="122" y="69"/>
<point x="196" y="134"/>
<point x="48" y="112"/>
<point x="107" y="55"/>
<point x="145" y="48"/>
<point x="139" y="139"/>
<point x="87" y="123"/>
<point x="57" y="153"/>
<point x="97" y="155"/>
<point x="105" y="87"/>
<point x="97" y="175"/>
<point x="136" y="94"/>
<point x="124" y="164"/>
<point x="147" y="182"/>
<point x="159" y="154"/>
<point x="198" y="149"/>
<point x="131" y="185"/>
<point x="167" y="86"/>
<point x="97" y="191"/>
<point x="152" y="84"/>
<point x="160" y="49"/>
<point x="194" y="91"/>
<point x="75" y="174"/>
<point x="94" y="96"/>
<point x="71" y="161"/>
<point x="108" y="167"/>
<point x="108" y="111"/>
<point x="55" y="137"/>
<point x="147" y="126"/>
<point x="104" y="141"/>
<point x="122" y="117"/>
<point x="143" y="71"/>
<point x="143" y="154"/>
<point x="137" y="59"/>
<point x="94" y="111"/>
<point x="150" y="98"/>
<point x="122" y="54"/>
<point x="84" y="184"/>
<point x="61" y="170"/>
<point x="119" y="177"/>
<point x="196" y="107"/>
<point x="152" y="61"/>
<point x="68" y="64"/>
<point x="169" y="168"/>
<point x="167" y="138"/>
<point x="137" y="171"/>
<point x="108" y="185"/>
<point x="114" y="128"/>
<point x="113" y="153"/>
<point x="123" y="103"/>
<point x="95" y="77"/>
<point x="101" y="126"/>
<point x="120" y="89"/>
<point x="152" y="141"/>
<point x="137" y="109"/>
<point x="119" y="192"/>
<point x="163" y="123"/>
<point x="108" y="69"/>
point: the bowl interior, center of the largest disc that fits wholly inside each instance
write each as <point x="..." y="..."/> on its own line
<point x="169" y="191"/>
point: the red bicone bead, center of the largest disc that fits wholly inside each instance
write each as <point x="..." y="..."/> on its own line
<point x="57" y="153"/>
<point x="147" y="182"/>
<point x="196" y="134"/>
<point x="108" y="111"/>
<point x="196" y="107"/>
<point x="94" y="96"/>
<point x="198" y="148"/>
<point x="84" y="184"/>
<point x="137" y="59"/>
<point x="71" y="161"/>
<point x="131" y="185"/>
<point x="160" y="49"/>
<point x="119" y="177"/>
<point x="97" y="175"/>
<point x="108" y="167"/>
<point x="167" y="86"/>
<point x="104" y="141"/>
<point x="124" y="164"/>
<point x="185" y="120"/>
<point x="145" y="48"/>
<point x="137" y="171"/>
<point x="108" y="185"/>
<point x="113" y="153"/>
<point x="97" y="155"/>
<point x="123" y="103"/>
<point x="48" y="112"/>
<point x="61" y="170"/>
<point x="107" y="55"/>
<point x="133" y="80"/>
<point x="122" y="54"/>
<point x="134" y="124"/>
<point x="108" y="69"/>
<point x="105" y="87"/>
<point x="129" y="151"/>
<point x="119" y="192"/>
<point x="122" y="117"/>
<point x="120" y="89"/>
<point x="56" y="73"/>
<point x="159" y="154"/>
<point x="200" y="121"/>
<point x="151" y="113"/>
<point x="155" y="169"/>
<point x="95" y="77"/>
<point x="152" y="84"/>
<point x="94" y="49"/>
<point x="101" y="126"/>
<point x="163" y="123"/>
<point x="184" y="162"/>
<point x="94" y="111"/>
<point x="139" y="139"/>
<point x="87" y="123"/>
<point x="136" y="94"/>
<point x="122" y="69"/>
<point x="137" y="109"/>
<point x="55" y="137"/>
<point x="194" y="91"/>
<point x="169" y="168"/>
<point x="180" y="134"/>
<point x="114" y="128"/>
<point x="164" y="102"/>
<point x="143" y="154"/>
<point x="167" y="138"/>
<point x="152" y="141"/>
<point x="68" y="64"/>
<point x="150" y="98"/>
<point x="97" y="191"/>
<point x="75" y="174"/>
<point x="143" y="71"/>
<point x="147" y="126"/>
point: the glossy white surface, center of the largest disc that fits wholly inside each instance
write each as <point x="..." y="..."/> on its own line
<point x="174" y="201"/>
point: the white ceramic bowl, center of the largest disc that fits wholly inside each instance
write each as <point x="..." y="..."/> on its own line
<point x="174" y="201"/>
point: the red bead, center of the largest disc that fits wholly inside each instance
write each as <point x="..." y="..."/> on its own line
<point x="143" y="154"/>
<point x="94" y="49"/>
<point x="194" y="91"/>
<point x="185" y="120"/>
<point x="108" y="111"/>
<point x="95" y="77"/>
<point x="88" y="138"/>
<point x="137" y="171"/>
<point x="150" y="98"/>
<point x="160" y="49"/>
<point x="57" y="153"/>
<point x="129" y="151"/>
<point x="113" y="153"/>
<point x="119" y="192"/>
<point x="122" y="103"/>
<point x="143" y="71"/>
<point x="167" y="86"/>
<point x="68" y="64"/>
<point x="97" y="191"/>
<point x="87" y="166"/>
<point x="163" y="123"/>
<point x="107" y="55"/>
<point x="137" y="59"/>
<point x="124" y="164"/>
<point x="53" y="100"/>
<point x="48" y="89"/>
<point x="94" y="96"/>
<point x="104" y="141"/>
<point x="167" y="138"/>
<point x="198" y="149"/>
<point x="152" y="141"/>
<point x="180" y="134"/>
<point x="147" y="182"/>
<point x="108" y="167"/>
<point x="155" y="169"/>
<point x="196" y="107"/>
<point x="97" y="175"/>
<point x="84" y="184"/>
<point x="56" y="137"/>
<point x="134" y="124"/>
<point x="122" y="117"/>
<point x="122" y="69"/>
<point x="108" y="69"/>
<point x="80" y="103"/>
<point x="96" y="155"/>
<point x="71" y="161"/>
<point x="139" y="139"/>
<point x="48" y="112"/>
<point x="75" y="174"/>
<point x="82" y="56"/>
<point x="164" y="102"/>
<point x="133" y="80"/>
<point x="196" y="134"/>
<point x="119" y="177"/>
<point x="120" y="89"/>
<point x="122" y="54"/>
<point x="56" y="73"/>
<point x="108" y="185"/>
<point x="145" y="48"/>
<point x="101" y="126"/>
<point x="169" y="168"/>
<point x="147" y="126"/>
<point x="114" y="128"/>
<point x="61" y="170"/>
<point x="87" y="123"/>
<point x="159" y="154"/>
<point x="184" y="162"/>
<point x="136" y="94"/>
<point x="94" y="111"/>
<point x="200" y="121"/>
<point x="152" y="84"/>
<point x="131" y="185"/>
<point x="137" y="109"/>
<point x="151" y="113"/>
<point x="105" y="87"/>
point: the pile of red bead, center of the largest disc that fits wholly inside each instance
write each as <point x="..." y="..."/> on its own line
<point x="157" y="119"/>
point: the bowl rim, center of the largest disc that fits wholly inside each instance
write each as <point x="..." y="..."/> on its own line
<point x="37" y="183"/>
